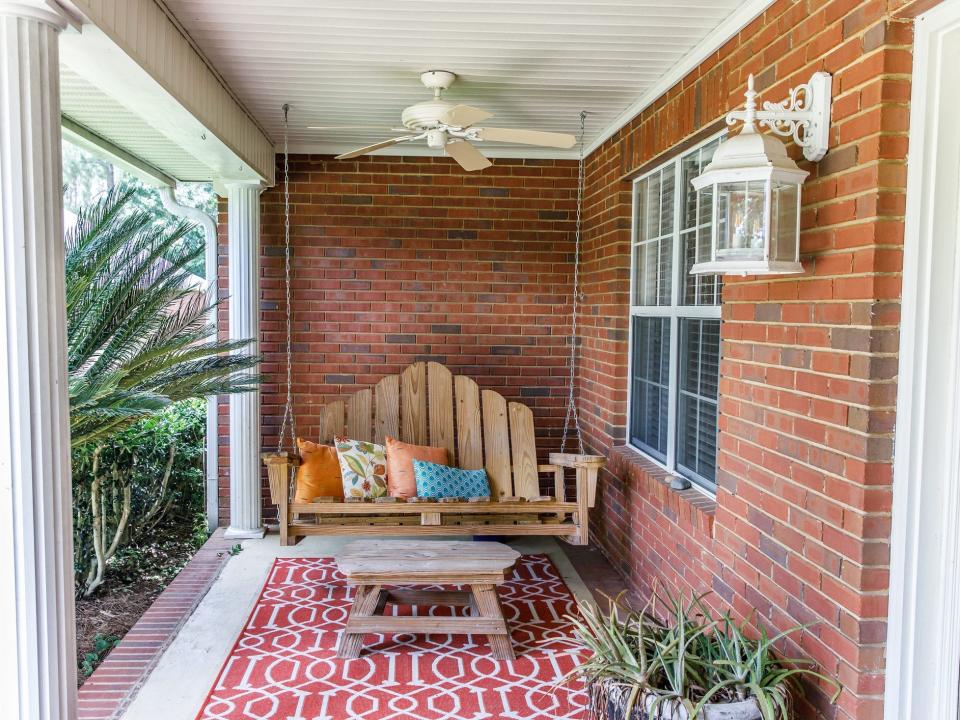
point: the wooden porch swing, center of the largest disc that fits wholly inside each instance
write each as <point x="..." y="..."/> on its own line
<point x="427" y="404"/>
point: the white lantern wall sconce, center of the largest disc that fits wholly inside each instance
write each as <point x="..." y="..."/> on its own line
<point x="755" y="185"/>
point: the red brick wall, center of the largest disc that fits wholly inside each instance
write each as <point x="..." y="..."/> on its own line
<point x="800" y="526"/>
<point x="402" y="259"/>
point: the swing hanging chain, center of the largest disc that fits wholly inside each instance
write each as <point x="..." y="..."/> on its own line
<point x="572" y="416"/>
<point x="288" y="416"/>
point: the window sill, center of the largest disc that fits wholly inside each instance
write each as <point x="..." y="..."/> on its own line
<point x="688" y="508"/>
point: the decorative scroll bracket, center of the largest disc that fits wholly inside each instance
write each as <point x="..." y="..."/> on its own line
<point x="804" y="115"/>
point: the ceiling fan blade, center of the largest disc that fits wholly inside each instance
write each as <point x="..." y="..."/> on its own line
<point x="375" y="146"/>
<point x="464" y="116"/>
<point x="527" y="137"/>
<point x="467" y="155"/>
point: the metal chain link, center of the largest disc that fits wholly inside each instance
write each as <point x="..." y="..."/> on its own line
<point x="288" y="409"/>
<point x="572" y="414"/>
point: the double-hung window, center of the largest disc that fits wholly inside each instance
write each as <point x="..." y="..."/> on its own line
<point x="674" y="321"/>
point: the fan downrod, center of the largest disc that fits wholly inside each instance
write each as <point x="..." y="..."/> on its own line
<point x="437" y="80"/>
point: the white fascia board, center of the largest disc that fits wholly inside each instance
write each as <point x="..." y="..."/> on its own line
<point x="128" y="68"/>
<point x="733" y="24"/>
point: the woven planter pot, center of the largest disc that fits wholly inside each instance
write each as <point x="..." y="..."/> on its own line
<point x="609" y="703"/>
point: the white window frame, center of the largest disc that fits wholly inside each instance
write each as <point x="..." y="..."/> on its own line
<point x="674" y="311"/>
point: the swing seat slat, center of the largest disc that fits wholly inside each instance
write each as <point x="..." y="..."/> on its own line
<point x="427" y="404"/>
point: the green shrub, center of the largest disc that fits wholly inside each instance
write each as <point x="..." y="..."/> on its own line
<point x="124" y="486"/>
<point x="102" y="645"/>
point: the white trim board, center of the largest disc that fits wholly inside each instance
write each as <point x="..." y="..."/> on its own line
<point x="923" y="642"/>
<point x="734" y="23"/>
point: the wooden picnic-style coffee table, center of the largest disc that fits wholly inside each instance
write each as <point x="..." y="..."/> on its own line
<point x="370" y="564"/>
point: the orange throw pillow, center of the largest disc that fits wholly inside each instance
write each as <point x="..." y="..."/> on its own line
<point x="400" y="456"/>
<point x="319" y="472"/>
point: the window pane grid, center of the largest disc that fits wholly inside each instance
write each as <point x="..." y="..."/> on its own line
<point x="695" y="233"/>
<point x="675" y="326"/>
<point x="697" y="425"/>
<point x="654" y="237"/>
<point x="650" y="393"/>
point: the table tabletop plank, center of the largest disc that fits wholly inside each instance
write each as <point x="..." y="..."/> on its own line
<point x="419" y="561"/>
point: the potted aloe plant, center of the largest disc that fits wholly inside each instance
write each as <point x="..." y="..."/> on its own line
<point x="691" y="666"/>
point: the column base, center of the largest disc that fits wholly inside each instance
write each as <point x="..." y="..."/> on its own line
<point x="232" y="533"/>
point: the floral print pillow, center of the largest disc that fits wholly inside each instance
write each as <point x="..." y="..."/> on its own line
<point x="363" y="466"/>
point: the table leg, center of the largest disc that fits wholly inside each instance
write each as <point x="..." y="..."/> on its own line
<point x="365" y="604"/>
<point x="488" y="605"/>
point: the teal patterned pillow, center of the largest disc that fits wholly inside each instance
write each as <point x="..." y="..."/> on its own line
<point x="441" y="481"/>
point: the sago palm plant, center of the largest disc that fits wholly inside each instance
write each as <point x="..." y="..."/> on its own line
<point x="139" y="334"/>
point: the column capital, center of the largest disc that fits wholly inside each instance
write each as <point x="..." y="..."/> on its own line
<point x="47" y="12"/>
<point x="244" y="183"/>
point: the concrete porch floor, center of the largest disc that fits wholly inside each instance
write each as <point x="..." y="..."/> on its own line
<point x="183" y="676"/>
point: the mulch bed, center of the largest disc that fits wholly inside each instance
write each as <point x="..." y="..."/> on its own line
<point x="135" y="577"/>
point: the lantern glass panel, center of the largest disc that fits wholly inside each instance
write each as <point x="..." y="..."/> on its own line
<point x="784" y="205"/>
<point x="740" y="214"/>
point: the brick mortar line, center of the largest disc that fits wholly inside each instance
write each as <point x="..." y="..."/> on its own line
<point x="817" y="493"/>
<point x="791" y="414"/>
<point x="835" y="626"/>
<point x="819" y="588"/>
<point x="821" y="570"/>
<point x="803" y="393"/>
<point x="826" y="473"/>
<point x="813" y="515"/>
<point x="818" y="373"/>
<point x="813" y="302"/>
<point x="825" y="423"/>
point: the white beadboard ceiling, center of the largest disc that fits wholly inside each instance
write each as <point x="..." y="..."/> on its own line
<point x="89" y="106"/>
<point x="534" y="64"/>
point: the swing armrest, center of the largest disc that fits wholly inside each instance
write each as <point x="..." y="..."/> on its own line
<point x="587" y="467"/>
<point x="278" y="472"/>
<point x="572" y="460"/>
<point x="281" y="458"/>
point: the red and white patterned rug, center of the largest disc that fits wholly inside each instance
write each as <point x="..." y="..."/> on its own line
<point x="284" y="665"/>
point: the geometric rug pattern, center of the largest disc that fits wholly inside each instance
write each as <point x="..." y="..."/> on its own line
<point x="284" y="664"/>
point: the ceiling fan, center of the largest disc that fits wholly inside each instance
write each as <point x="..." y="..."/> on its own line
<point x="453" y="128"/>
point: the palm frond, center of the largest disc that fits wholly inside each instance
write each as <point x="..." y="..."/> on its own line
<point x="138" y="331"/>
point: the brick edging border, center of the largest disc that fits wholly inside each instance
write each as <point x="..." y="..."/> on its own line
<point x="107" y="693"/>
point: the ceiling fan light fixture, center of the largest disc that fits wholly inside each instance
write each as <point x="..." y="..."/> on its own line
<point x="436" y="139"/>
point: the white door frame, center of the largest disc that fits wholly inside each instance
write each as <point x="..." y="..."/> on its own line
<point x="923" y="640"/>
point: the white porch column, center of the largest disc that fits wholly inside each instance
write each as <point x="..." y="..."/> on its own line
<point x="38" y="665"/>
<point x="243" y="229"/>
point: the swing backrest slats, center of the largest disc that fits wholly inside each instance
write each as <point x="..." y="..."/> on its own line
<point x="413" y="404"/>
<point x="360" y="415"/>
<point x="496" y="443"/>
<point x="469" y="435"/>
<point x="526" y="481"/>
<point x="427" y="405"/>
<point x="332" y="420"/>
<point x="440" y="399"/>
<point x="387" y="409"/>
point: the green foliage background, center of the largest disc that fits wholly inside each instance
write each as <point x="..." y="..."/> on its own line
<point x="86" y="177"/>
<point x="142" y="355"/>
<point x="144" y="449"/>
